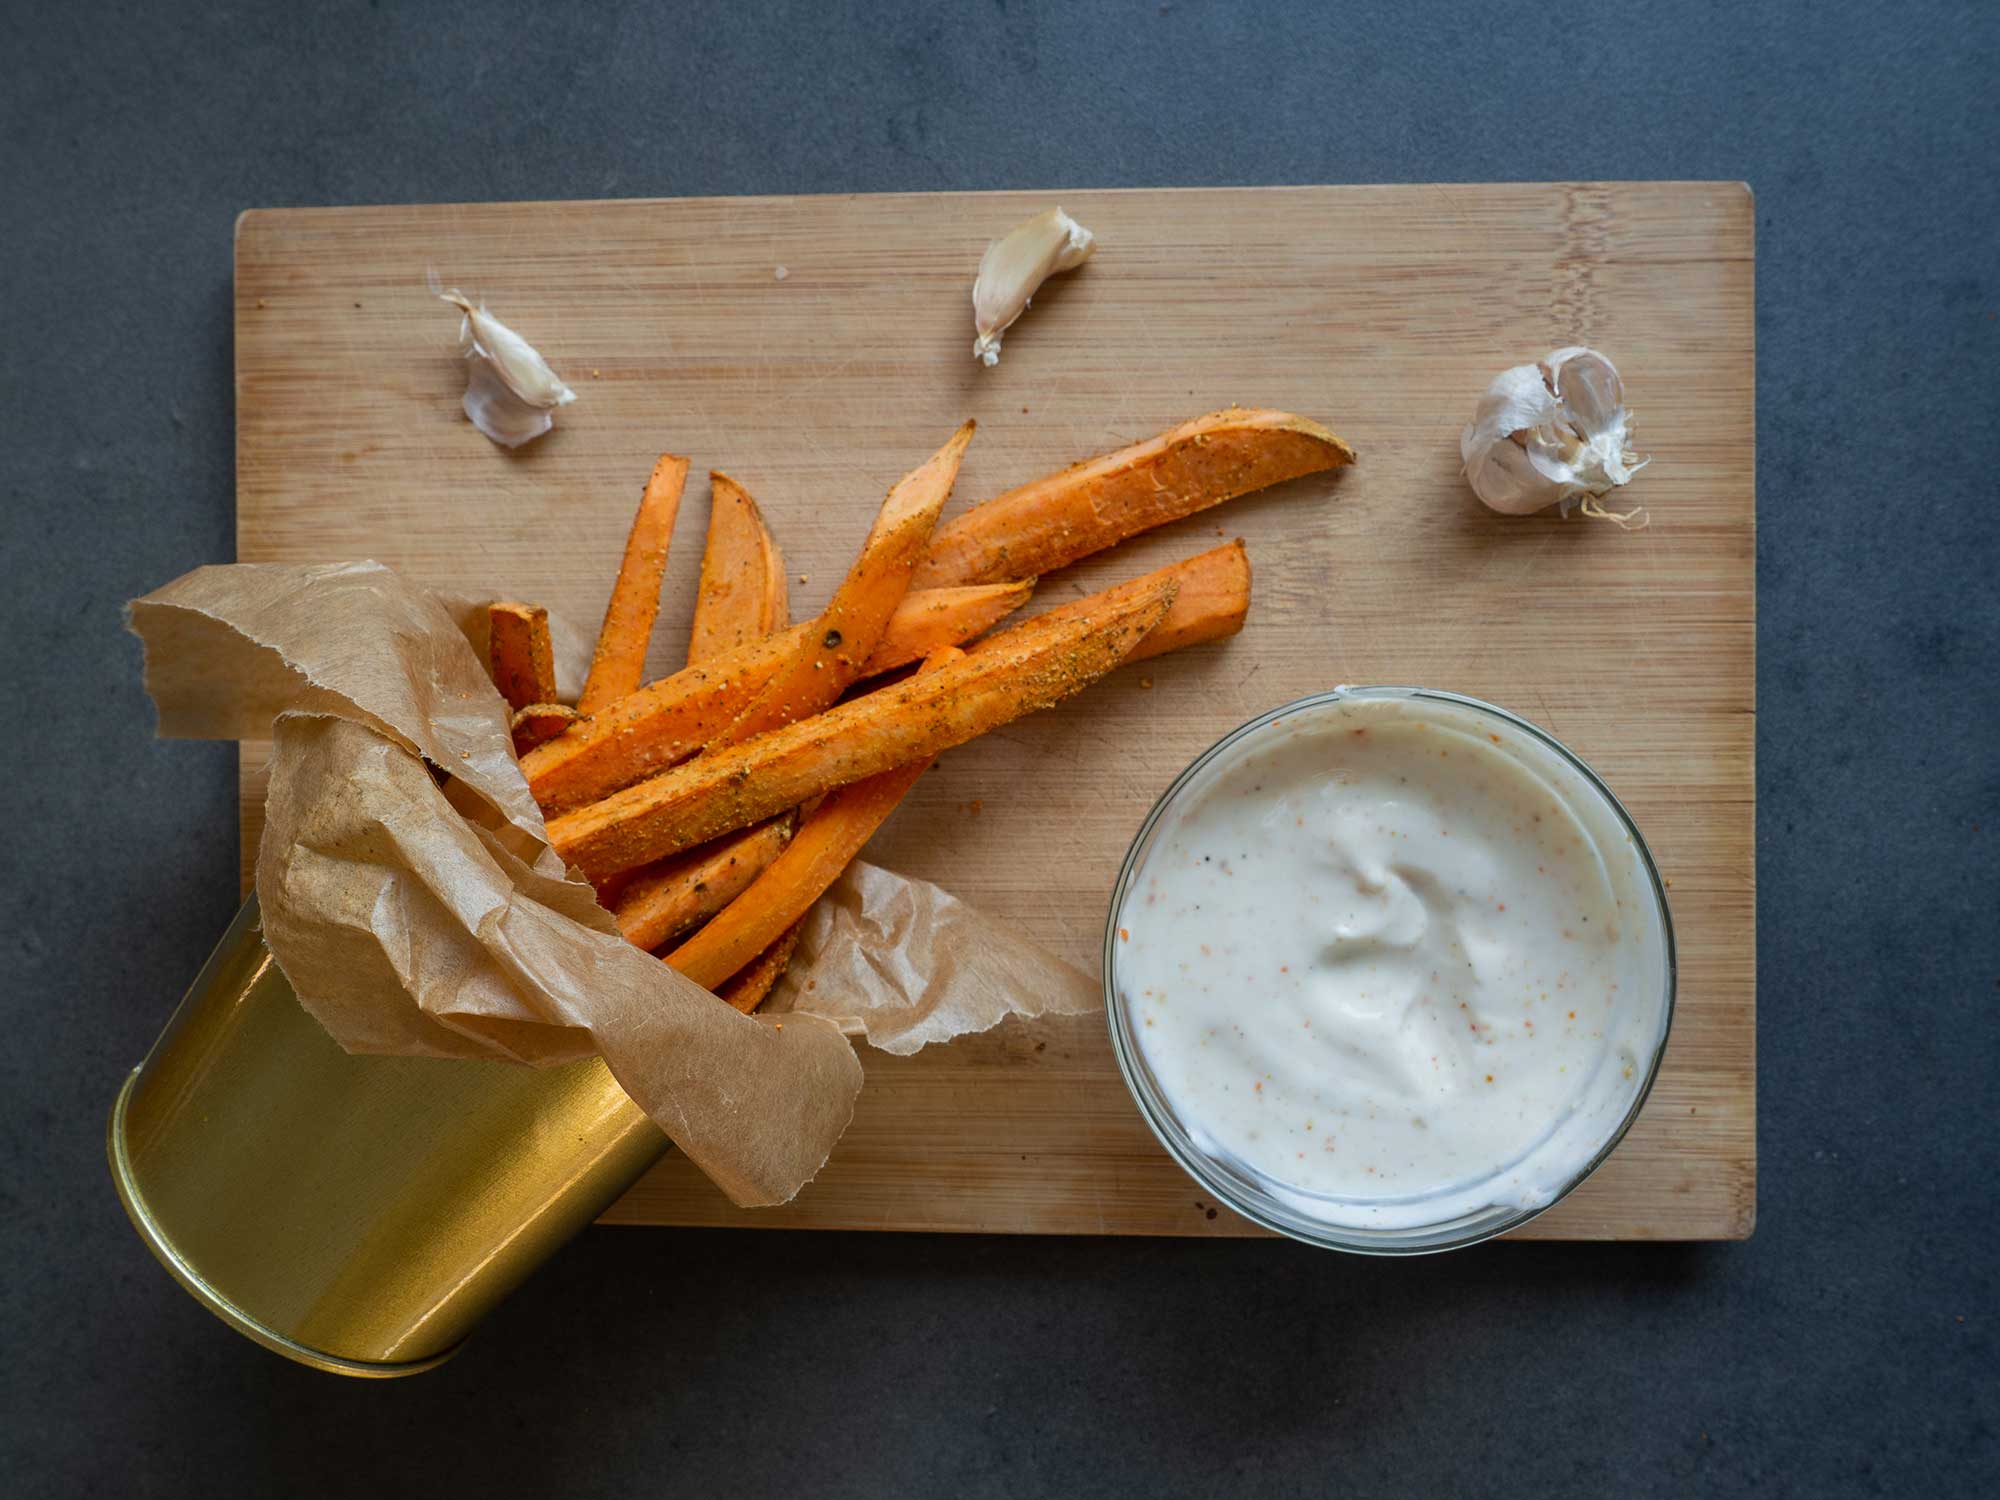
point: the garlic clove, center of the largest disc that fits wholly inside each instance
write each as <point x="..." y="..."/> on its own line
<point x="1506" y="478"/>
<point x="1502" y="470"/>
<point x="1588" y="384"/>
<point x="1518" y="400"/>
<point x="1013" y="270"/>
<point x="509" y="388"/>
<point x="513" y="358"/>
<point x="1551" y="432"/>
<point x="1588" y="387"/>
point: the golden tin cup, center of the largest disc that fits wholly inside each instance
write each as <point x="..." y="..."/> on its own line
<point x="357" y="1214"/>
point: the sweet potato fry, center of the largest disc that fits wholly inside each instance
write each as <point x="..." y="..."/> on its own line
<point x="742" y="596"/>
<point x="539" y="722"/>
<point x="748" y="989"/>
<point x="1211" y="598"/>
<point x="1052" y="522"/>
<point x="664" y="900"/>
<point x="826" y="841"/>
<point x="742" y="599"/>
<point x="667" y="721"/>
<point x="619" y="664"/>
<point x="732" y="788"/>
<point x="932" y="618"/>
<point x="830" y="659"/>
<point x="518" y="653"/>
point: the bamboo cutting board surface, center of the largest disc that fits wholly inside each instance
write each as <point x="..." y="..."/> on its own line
<point x="816" y="348"/>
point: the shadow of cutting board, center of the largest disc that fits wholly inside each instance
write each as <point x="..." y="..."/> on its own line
<point x="816" y="348"/>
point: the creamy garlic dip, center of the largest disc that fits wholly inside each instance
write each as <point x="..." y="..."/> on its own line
<point x="1396" y="959"/>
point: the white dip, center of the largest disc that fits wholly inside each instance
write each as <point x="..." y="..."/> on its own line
<point x="1398" y="960"/>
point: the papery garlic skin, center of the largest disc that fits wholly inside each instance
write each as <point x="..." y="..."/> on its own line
<point x="1013" y="270"/>
<point x="1551" y="433"/>
<point x="510" y="390"/>
<point x="496" y="411"/>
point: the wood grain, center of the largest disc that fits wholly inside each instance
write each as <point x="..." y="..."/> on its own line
<point x="1381" y="311"/>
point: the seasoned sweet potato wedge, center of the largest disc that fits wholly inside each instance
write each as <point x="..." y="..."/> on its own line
<point x="539" y="723"/>
<point x="619" y="664"/>
<point x="830" y="659"/>
<point x="1029" y="667"/>
<point x="1211" y="598"/>
<point x="519" y="653"/>
<point x="742" y="597"/>
<point x="828" y="839"/>
<point x="667" y="721"/>
<point x="665" y="900"/>
<point x="1054" y="521"/>
<point x="748" y="989"/>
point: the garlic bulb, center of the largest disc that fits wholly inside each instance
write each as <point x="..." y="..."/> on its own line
<point x="510" y="391"/>
<point x="1547" y="433"/>
<point x="1014" y="268"/>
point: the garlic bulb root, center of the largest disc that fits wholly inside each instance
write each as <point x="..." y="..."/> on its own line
<point x="1553" y="433"/>
<point x="1013" y="270"/>
<point x="1634" y="519"/>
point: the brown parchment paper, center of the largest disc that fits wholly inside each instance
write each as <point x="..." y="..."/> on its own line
<point x="906" y="964"/>
<point x="419" y="919"/>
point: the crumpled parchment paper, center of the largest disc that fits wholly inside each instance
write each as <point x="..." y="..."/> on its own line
<point x="419" y="915"/>
<point x="906" y="964"/>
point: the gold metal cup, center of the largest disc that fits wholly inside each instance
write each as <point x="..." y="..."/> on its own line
<point x="357" y="1214"/>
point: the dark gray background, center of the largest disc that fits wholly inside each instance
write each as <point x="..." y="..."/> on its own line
<point x="1848" y="1348"/>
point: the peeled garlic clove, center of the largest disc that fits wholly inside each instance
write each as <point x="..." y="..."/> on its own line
<point x="1547" y="433"/>
<point x="509" y="388"/>
<point x="1014" y="268"/>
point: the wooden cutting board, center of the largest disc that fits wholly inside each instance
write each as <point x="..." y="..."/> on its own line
<point x="816" y="348"/>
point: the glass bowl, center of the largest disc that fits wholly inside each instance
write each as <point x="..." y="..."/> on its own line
<point x="1287" y="1208"/>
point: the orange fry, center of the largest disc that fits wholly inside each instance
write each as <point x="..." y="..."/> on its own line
<point x="827" y="840"/>
<point x="742" y="597"/>
<point x="831" y="657"/>
<point x="619" y="663"/>
<point x="665" y="899"/>
<point x="1029" y="667"/>
<point x="518" y="653"/>
<point x="749" y="988"/>
<point x="1093" y="505"/>
<point x="539" y="722"/>
<point x="667" y="721"/>
<point x="1211" y="598"/>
